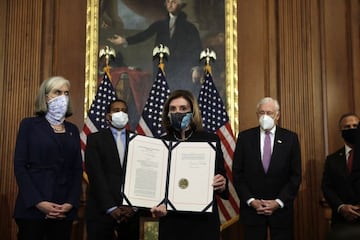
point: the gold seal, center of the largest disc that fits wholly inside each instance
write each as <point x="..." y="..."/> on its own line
<point x="183" y="183"/>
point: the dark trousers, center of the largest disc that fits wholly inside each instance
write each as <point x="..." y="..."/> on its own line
<point x="106" y="228"/>
<point x="260" y="232"/>
<point x="44" y="229"/>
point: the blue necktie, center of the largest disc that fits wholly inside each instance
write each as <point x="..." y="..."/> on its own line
<point x="120" y="147"/>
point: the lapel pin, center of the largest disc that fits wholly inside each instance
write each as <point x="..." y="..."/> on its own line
<point x="279" y="141"/>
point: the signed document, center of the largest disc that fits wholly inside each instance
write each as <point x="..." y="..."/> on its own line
<point x="191" y="177"/>
<point x="178" y="174"/>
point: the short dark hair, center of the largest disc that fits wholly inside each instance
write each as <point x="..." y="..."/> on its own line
<point x="108" y="109"/>
<point x="345" y="115"/>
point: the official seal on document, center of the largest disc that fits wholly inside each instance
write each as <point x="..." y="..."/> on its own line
<point x="183" y="183"/>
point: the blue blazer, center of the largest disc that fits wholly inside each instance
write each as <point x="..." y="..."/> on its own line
<point x="48" y="167"/>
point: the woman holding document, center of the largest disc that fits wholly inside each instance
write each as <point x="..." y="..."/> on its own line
<point x="183" y="123"/>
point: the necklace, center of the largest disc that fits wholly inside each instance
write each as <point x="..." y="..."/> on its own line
<point x="58" y="128"/>
<point x="186" y="138"/>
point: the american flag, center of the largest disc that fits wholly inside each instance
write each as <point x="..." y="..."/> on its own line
<point x="150" y="120"/>
<point x="216" y="120"/>
<point x="96" y="115"/>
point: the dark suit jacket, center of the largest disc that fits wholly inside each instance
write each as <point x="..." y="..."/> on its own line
<point x="185" y="47"/>
<point x="355" y="174"/>
<point x="336" y="184"/>
<point x="106" y="175"/>
<point x="177" y="225"/>
<point x="281" y="181"/>
<point x="106" y="178"/>
<point x="48" y="167"/>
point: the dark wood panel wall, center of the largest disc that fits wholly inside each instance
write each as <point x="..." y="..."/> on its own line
<point x="305" y="53"/>
<point x="38" y="39"/>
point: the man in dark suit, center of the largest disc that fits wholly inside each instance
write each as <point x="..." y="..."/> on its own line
<point x="356" y="164"/>
<point x="104" y="160"/>
<point x="336" y="182"/>
<point x="267" y="174"/>
<point x="184" y="43"/>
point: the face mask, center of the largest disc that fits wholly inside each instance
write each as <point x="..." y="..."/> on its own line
<point x="57" y="108"/>
<point x="266" y="122"/>
<point x="349" y="135"/>
<point x="180" y="121"/>
<point x="119" y="119"/>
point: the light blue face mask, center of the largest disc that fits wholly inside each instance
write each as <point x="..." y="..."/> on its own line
<point x="57" y="108"/>
<point x="180" y="121"/>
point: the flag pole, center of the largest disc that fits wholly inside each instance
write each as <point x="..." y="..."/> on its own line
<point x="108" y="53"/>
<point x="150" y="120"/>
<point x="228" y="209"/>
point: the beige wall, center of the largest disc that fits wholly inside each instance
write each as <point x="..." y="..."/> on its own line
<point x="306" y="53"/>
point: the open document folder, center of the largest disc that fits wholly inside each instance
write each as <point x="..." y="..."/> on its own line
<point x="178" y="174"/>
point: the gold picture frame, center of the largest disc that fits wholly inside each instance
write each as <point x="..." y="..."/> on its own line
<point x="231" y="71"/>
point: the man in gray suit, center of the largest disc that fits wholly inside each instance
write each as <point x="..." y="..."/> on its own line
<point x="337" y="178"/>
<point x="267" y="174"/>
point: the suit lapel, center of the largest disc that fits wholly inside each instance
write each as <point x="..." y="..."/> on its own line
<point x="278" y="140"/>
<point x="341" y="162"/>
<point x="255" y="143"/>
<point x="45" y="125"/>
<point x="111" y="143"/>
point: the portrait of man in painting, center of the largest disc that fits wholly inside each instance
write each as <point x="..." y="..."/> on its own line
<point x="134" y="27"/>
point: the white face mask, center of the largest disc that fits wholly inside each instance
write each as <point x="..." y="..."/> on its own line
<point x="119" y="119"/>
<point x="266" y="122"/>
<point x="57" y="108"/>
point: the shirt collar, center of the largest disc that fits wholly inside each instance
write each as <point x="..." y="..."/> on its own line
<point x="172" y="16"/>
<point x="347" y="149"/>
<point x="272" y="131"/>
<point x="115" y="131"/>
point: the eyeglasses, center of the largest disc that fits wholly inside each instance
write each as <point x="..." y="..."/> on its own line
<point x="269" y="113"/>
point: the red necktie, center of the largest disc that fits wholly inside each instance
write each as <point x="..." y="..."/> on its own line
<point x="350" y="160"/>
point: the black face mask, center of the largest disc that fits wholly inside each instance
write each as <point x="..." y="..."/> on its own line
<point x="349" y="135"/>
<point x="180" y="121"/>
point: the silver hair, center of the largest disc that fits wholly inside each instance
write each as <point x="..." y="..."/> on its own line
<point x="267" y="100"/>
<point x="45" y="88"/>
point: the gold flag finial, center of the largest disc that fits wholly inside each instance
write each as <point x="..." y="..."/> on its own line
<point x="108" y="53"/>
<point x="208" y="55"/>
<point x="161" y="52"/>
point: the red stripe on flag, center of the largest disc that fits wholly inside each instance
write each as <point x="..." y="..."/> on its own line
<point x="223" y="209"/>
<point x="216" y="120"/>
<point x="96" y="118"/>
